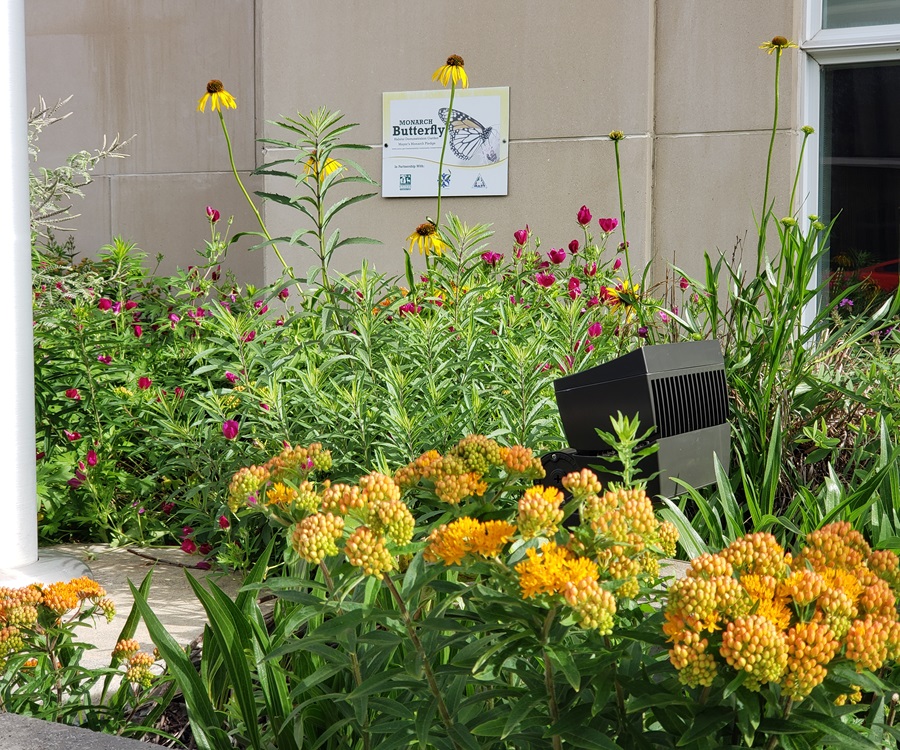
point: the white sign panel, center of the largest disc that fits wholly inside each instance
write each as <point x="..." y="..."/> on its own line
<point x="477" y="157"/>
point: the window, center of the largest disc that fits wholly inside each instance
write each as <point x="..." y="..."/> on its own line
<point x="852" y="98"/>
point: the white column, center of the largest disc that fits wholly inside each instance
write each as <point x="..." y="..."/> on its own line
<point x="18" y="501"/>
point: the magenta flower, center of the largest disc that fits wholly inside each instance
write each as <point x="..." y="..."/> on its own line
<point x="72" y="436"/>
<point x="212" y="214"/>
<point x="584" y="216"/>
<point x="607" y="225"/>
<point x="104" y="304"/>
<point x="130" y="304"/>
<point x="117" y="307"/>
<point x="410" y="308"/>
<point x="284" y="294"/>
<point x="846" y="302"/>
<point x="91" y="457"/>
<point x="264" y="406"/>
<point x="573" y="247"/>
<point x="224" y="523"/>
<point x="663" y="316"/>
<point x="78" y="480"/>
<point x="187" y="531"/>
<point x="492" y="259"/>
<point x="521" y="236"/>
<point x="593" y="301"/>
<point x="138" y="331"/>
<point x="642" y="332"/>
<point x="179" y="391"/>
<point x="230" y="429"/>
<point x="279" y="322"/>
<point x="232" y="378"/>
<point x="617" y="265"/>
<point x="590" y="270"/>
<point x="167" y="508"/>
<point x="595" y="329"/>
<point x="574" y="287"/>
<point x="104" y="358"/>
<point x="248" y="337"/>
<point x="545" y="279"/>
<point x="174" y="318"/>
<point x="205" y="548"/>
<point x="684" y="283"/>
<point x="557" y="255"/>
<point x="73" y="394"/>
<point x="188" y="546"/>
<point x="144" y="383"/>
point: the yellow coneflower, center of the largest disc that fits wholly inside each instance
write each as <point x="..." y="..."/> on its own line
<point x="220" y="97"/>
<point x="427" y="239"/>
<point x="311" y="167"/>
<point x="452" y="71"/>
<point x="779" y="43"/>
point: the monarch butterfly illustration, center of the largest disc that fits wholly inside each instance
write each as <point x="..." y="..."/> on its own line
<point x="471" y="141"/>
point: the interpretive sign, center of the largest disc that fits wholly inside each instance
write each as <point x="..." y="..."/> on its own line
<point x="476" y="158"/>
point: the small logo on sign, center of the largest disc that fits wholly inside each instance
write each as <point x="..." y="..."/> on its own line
<point x="479" y="183"/>
<point x="445" y="179"/>
<point x="406" y="182"/>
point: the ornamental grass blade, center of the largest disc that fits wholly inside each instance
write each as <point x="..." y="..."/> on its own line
<point x="208" y="735"/>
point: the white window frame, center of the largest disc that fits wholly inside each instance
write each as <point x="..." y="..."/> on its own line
<point x="856" y="44"/>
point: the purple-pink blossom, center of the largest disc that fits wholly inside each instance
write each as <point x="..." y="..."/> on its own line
<point x="574" y="287"/>
<point x="607" y="225"/>
<point x="573" y="247"/>
<point x="595" y="329"/>
<point x="104" y="304"/>
<point x="91" y="457"/>
<point x="491" y="258"/>
<point x="212" y="214"/>
<point x="557" y="255"/>
<point x="617" y="265"/>
<point x="230" y="429"/>
<point x="545" y="279"/>
<point x="521" y="235"/>
<point x="231" y="377"/>
<point x="584" y="216"/>
<point x="590" y="269"/>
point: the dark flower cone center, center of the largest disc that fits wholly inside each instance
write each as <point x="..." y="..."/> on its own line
<point x="425" y="230"/>
<point x="214" y="87"/>
<point x="455" y="61"/>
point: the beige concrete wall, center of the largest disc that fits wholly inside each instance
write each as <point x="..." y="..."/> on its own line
<point x="682" y="78"/>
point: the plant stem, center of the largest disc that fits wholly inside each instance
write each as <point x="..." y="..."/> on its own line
<point x="549" y="683"/>
<point x="237" y="177"/>
<point x="437" y="219"/>
<point x="763" y="218"/>
<point x="797" y="174"/>
<point x="622" y="213"/>
<point x="773" y="740"/>
<point x="446" y="718"/>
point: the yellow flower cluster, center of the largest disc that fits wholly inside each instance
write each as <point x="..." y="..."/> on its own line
<point x="293" y="464"/>
<point x="540" y="512"/>
<point x="367" y="551"/>
<point x="138" y="671"/>
<point x="314" y="538"/>
<point x="452" y="542"/>
<point x="550" y="569"/>
<point x="782" y="619"/>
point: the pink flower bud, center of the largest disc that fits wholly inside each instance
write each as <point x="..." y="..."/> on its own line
<point x="584" y="216"/>
<point x="73" y="394"/>
<point x="230" y="429"/>
<point x="590" y="269"/>
<point x="104" y="358"/>
<point x="521" y="235"/>
<point x="248" y="337"/>
<point x="617" y="265"/>
<point x="212" y="214"/>
<point x="130" y="304"/>
<point x="684" y="283"/>
<point x="144" y="383"/>
<point x="607" y="225"/>
<point x="557" y="255"/>
<point x="574" y="287"/>
<point x="179" y="391"/>
<point x="545" y="279"/>
<point x="188" y="546"/>
<point x="91" y="457"/>
<point x="573" y="247"/>
<point x="72" y="436"/>
<point x="138" y="331"/>
<point x="104" y="304"/>
<point x="595" y="329"/>
<point x="224" y="523"/>
<point x="232" y="378"/>
<point x="284" y="294"/>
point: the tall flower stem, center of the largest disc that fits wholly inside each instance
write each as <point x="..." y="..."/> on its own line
<point x="549" y="682"/>
<point x="763" y="217"/>
<point x="806" y="133"/>
<point x="437" y="219"/>
<point x="408" y="621"/>
<point x="262" y="224"/>
<point x="773" y="740"/>
<point x="622" y="213"/>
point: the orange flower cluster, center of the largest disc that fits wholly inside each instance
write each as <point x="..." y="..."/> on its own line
<point x="30" y="608"/>
<point x="138" y="671"/>
<point x="293" y="464"/>
<point x="372" y="512"/>
<point x="460" y="473"/>
<point x="782" y="619"/>
<point x="467" y="536"/>
<point x="540" y="512"/>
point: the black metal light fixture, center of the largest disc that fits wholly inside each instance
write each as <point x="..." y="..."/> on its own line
<point x="677" y="389"/>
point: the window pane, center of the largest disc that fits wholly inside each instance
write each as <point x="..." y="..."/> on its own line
<point x="860" y="175"/>
<point x="840" y="13"/>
